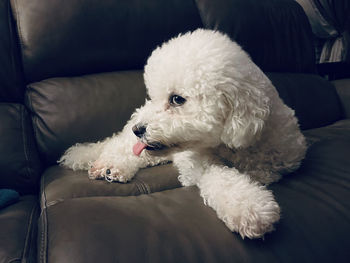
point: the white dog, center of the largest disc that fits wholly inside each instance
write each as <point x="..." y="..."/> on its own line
<point x="215" y="114"/>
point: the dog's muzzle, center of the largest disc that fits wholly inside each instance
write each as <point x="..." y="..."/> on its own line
<point x="139" y="130"/>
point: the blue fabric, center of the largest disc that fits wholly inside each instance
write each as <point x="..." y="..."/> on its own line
<point x="8" y="197"/>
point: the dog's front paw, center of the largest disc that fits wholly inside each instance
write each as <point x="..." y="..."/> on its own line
<point x="99" y="170"/>
<point x="255" y="216"/>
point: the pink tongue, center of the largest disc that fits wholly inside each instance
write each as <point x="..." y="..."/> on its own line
<point x="138" y="148"/>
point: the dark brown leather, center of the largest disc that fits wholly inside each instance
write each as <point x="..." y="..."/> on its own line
<point x="11" y="79"/>
<point x="20" y="166"/>
<point x="276" y="33"/>
<point x="81" y="37"/>
<point x="338" y="130"/>
<point x="59" y="183"/>
<point x="89" y="117"/>
<point x="175" y="225"/>
<point x="18" y="231"/>
<point x="343" y="88"/>
<point x="82" y="109"/>
<point x="97" y="36"/>
<point x="315" y="101"/>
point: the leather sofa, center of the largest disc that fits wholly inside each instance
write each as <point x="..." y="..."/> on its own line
<point x="71" y="71"/>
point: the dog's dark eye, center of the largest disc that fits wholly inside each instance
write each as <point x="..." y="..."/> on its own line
<point x="176" y="100"/>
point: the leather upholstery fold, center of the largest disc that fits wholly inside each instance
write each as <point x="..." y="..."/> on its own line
<point x="19" y="161"/>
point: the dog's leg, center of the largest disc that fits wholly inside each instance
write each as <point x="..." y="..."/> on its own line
<point x="81" y="155"/>
<point x="189" y="165"/>
<point x="117" y="162"/>
<point x="245" y="206"/>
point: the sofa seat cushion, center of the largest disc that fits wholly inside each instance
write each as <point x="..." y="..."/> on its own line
<point x="168" y="226"/>
<point x="18" y="229"/>
<point x="176" y="226"/>
<point x="59" y="183"/>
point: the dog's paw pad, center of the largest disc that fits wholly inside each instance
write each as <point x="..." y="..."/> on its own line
<point x="99" y="170"/>
<point x="95" y="173"/>
<point x="114" y="175"/>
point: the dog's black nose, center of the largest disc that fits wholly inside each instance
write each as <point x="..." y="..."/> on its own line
<point x="139" y="130"/>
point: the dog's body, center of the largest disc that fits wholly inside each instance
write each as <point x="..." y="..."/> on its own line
<point x="220" y="120"/>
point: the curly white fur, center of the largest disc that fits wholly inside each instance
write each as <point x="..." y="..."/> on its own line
<point x="230" y="134"/>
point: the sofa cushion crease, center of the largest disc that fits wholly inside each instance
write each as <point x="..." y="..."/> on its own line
<point x="20" y="167"/>
<point x="59" y="183"/>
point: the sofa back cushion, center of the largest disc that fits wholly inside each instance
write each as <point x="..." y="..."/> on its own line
<point x="20" y="166"/>
<point x="91" y="107"/>
<point x="75" y="37"/>
<point x="67" y="38"/>
<point x="82" y="109"/>
<point x="314" y="99"/>
<point x="275" y="33"/>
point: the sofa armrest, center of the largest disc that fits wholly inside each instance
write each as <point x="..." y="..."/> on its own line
<point x="343" y="88"/>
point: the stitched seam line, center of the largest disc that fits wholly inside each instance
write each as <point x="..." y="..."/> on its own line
<point x="43" y="238"/>
<point x="28" y="239"/>
<point x="43" y="200"/>
<point x="142" y="185"/>
<point x="33" y="118"/>
<point x="138" y="186"/>
<point x="43" y="222"/>
<point x="14" y="260"/>
<point x="43" y="249"/>
<point x="146" y="187"/>
<point x="25" y="146"/>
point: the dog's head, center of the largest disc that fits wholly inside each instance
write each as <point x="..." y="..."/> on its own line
<point x="204" y="91"/>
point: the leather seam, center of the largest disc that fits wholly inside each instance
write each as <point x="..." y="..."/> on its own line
<point x="27" y="243"/>
<point x="14" y="260"/>
<point x="43" y="237"/>
<point x="142" y="185"/>
<point x="138" y="186"/>
<point x="147" y="189"/>
<point x="43" y="193"/>
<point x="33" y="117"/>
<point x="43" y="222"/>
<point x="25" y="146"/>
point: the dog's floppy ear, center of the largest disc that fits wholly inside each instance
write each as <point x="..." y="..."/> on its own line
<point x="247" y="111"/>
